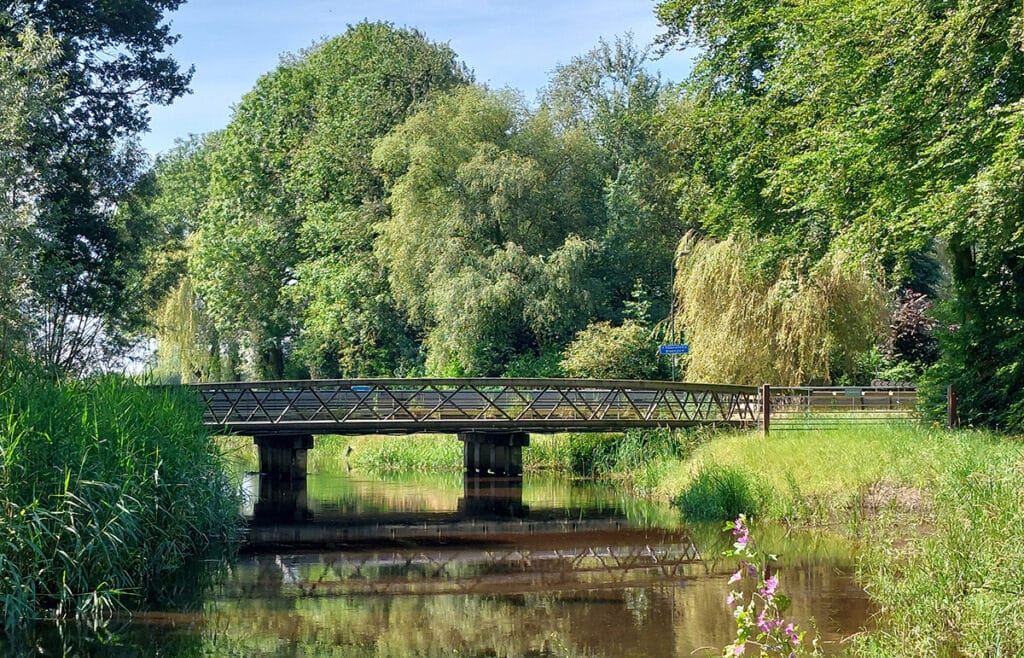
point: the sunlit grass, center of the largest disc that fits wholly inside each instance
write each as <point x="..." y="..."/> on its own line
<point x="955" y="590"/>
<point x="832" y="469"/>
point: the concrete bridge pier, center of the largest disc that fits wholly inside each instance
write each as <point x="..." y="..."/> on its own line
<point x="494" y="453"/>
<point x="283" y="455"/>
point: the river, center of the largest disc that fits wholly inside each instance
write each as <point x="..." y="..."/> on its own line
<point x="347" y="565"/>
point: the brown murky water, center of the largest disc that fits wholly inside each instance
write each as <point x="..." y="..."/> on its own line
<point x="430" y="566"/>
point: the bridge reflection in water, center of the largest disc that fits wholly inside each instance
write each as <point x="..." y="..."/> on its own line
<point x="492" y="542"/>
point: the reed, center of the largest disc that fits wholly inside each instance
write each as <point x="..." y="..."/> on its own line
<point x="956" y="589"/>
<point x="107" y="489"/>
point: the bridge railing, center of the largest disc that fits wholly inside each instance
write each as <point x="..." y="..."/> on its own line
<point x="355" y="406"/>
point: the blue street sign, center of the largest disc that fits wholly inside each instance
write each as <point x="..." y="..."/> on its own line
<point x="673" y="349"/>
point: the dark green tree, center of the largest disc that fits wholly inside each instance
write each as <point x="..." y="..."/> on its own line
<point x="284" y="253"/>
<point x="883" y="127"/>
<point x="110" y="62"/>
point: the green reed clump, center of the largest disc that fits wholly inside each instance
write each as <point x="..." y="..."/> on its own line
<point x="720" y="493"/>
<point x="389" y="454"/>
<point x="639" y="456"/>
<point x="107" y="488"/>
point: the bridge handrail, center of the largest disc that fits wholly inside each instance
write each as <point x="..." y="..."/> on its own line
<point x="481" y="382"/>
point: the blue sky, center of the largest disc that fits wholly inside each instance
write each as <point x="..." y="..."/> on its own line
<point x="505" y="42"/>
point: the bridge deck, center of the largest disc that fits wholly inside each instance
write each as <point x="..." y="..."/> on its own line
<point x="408" y="406"/>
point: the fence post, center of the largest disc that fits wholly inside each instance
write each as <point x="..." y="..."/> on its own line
<point x="952" y="419"/>
<point x="766" y="408"/>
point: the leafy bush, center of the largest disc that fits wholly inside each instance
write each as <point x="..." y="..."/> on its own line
<point x="602" y="351"/>
<point x="720" y="493"/>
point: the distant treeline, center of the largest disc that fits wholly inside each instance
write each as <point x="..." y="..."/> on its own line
<point x="836" y="188"/>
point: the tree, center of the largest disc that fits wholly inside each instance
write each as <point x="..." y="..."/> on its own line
<point x="284" y="253"/>
<point x="109" y="64"/>
<point x="884" y="126"/>
<point x="485" y="246"/>
<point x="607" y="98"/>
<point x="796" y="329"/>
<point x="369" y="81"/>
<point x="27" y="94"/>
<point x="244" y="251"/>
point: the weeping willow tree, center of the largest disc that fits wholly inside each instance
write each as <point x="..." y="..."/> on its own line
<point x="189" y="347"/>
<point x="791" y="329"/>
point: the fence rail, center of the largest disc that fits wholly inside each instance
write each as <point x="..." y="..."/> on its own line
<point x="810" y="407"/>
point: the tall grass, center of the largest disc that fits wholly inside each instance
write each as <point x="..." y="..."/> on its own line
<point x="107" y="488"/>
<point x="638" y="457"/>
<point x="955" y="590"/>
<point x="830" y="475"/>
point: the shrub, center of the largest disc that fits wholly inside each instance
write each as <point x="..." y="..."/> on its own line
<point x="720" y="493"/>
<point x="602" y="351"/>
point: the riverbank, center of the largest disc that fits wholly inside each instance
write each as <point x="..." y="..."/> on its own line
<point x="937" y="511"/>
<point x="107" y="490"/>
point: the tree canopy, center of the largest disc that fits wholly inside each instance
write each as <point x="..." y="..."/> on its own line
<point x="847" y="176"/>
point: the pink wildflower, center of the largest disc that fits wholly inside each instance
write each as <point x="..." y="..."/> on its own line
<point x="769" y="586"/>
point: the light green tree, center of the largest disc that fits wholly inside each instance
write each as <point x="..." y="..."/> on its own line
<point x="486" y="246"/>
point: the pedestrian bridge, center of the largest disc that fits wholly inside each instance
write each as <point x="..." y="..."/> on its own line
<point x="493" y="417"/>
<point x="411" y="406"/>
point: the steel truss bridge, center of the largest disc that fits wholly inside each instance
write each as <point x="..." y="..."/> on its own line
<point x="428" y="405"/>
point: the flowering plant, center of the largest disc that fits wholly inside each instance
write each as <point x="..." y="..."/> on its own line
<point x="759" y="621"/>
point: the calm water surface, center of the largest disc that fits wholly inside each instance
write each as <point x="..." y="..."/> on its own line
<point x="428" y="566"/>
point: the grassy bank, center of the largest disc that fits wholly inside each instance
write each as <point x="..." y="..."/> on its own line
<point x="939" y="513"/>
<point x="106" y="490"/>
<point x="828" y="476"/>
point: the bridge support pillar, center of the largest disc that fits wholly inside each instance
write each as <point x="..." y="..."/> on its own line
<point x="496" y="453"/>
<point x="283" y="455"/>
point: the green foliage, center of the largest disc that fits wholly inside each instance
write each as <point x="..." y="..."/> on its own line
<point x="493" y="264"/>
<point x="27" y="94"/>
<point x="955" y="590"/>
<point x="719" y="493"/>
<point x="603" y="351"/>
<point x="546" y="364"/>
<point x="885" y="127"/>
<point x="788" y="329"/>
<point x="607" y="98"/>
<point x="107" y="489"/>
<point x="75" y="162"/>
<point x="282" y="257"/>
